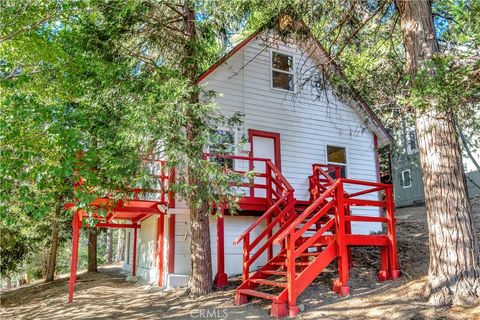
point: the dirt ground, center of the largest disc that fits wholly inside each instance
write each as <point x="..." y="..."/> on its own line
<point x="106" y="295"/>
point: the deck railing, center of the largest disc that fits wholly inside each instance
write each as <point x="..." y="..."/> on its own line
<point x="323" y="176"/>
<point x="280" y="213"/>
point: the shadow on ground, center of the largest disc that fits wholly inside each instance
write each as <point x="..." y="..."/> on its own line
<point x="106" y="294"/>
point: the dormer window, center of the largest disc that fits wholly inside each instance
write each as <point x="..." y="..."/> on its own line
<point x="283" y="76"/>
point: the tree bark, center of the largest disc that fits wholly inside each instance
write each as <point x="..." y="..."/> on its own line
<point x="52" y="260"/>
<point x="454" y="270"/>
<point x="109" y="245"/>
<point x="92" y="250"/>
<point x="201" y="281"/>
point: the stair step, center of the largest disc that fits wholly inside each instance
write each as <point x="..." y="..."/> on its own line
<point x="258" y="294"/>
<point x="269" y="282"/>
<point x="276" y="273"/>
<point x="306" y="254"/>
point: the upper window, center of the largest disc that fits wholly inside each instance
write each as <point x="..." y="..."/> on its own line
<point x="406" y="178"/>
<point x="411" y="141"/>
<point x="337" y="156"/>
<point x="282" y="71"/>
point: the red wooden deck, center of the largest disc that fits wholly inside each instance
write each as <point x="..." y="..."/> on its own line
<point x="310" y="234"/>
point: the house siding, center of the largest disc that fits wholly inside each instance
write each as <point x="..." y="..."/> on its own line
<point x="306" y="122"/>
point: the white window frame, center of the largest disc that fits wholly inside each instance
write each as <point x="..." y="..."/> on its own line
<point x="403" y="179"/>
<point x="293" y="72"/>
<point x="337" y="163"/>
<point x="409" y="143"/>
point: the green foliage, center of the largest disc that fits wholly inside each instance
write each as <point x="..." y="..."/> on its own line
<point x="88" y="89"/>
<point x="13" y="248"/>
<point x="445" y="84"/>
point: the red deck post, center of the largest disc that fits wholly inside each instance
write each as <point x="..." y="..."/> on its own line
<point x="74" y="261"/>
<point x="341" y="287"/>
<point x="291" y="272"/>
<point x="246" y="257"/>
<point x="268" y="192"/>
<point x="394" y="270"/>
<point x="348" y="230"/>
<point x="221" y="277"/>
<point x="160" y="247"/>
<point x="134" y="264"/>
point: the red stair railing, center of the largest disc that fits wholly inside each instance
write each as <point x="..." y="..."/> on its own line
<point x="325" y="227"/>
<point x="280" y="213"/>
<point x="383" y="194"/>
<point x="319" y="209"/>
<point x="323" y="175"/>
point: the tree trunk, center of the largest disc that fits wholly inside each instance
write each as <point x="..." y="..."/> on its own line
<point x="109" y="245"/>
<point x="200" y="281"/>
<point x="92" y="250"/>
<point x="52" y="260"/>
<point x="454" y="271"/>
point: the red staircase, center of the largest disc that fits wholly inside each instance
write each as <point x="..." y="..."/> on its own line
<point x="301" y="238"/>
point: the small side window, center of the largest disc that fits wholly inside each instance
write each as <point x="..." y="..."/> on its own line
<point x="406" y="178"/>
<point x="338" y="156"/>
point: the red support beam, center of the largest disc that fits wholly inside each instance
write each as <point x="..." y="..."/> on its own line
<point x="341" y="286"/>
<point x="221" y="277"/>
<point x="134" y="260"/>
<point x="74" y="260"/>
<point x="118" y="225"/>
<point x="160" y="247"/>
<point x="171" y="244"/>
<point x="393" y="259"/>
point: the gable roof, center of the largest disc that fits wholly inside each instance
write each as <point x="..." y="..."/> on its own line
<point x="358" y="103"/>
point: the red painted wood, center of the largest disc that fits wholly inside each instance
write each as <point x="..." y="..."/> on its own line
<point x="117" y="225"/>
<point x="76" y="223"/>
<point x="171" y="244"/>
<point x="365" y="219"/>
<point x="220" y="277"/>
<point x="366" y="240"/>
<point x="266" y="134"/>
<point x="329" y="212"/>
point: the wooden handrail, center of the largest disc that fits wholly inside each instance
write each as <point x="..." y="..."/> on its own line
<point x="280" y="176"/>
<point x="262" y="217"/>
<point x="366" y="183"/>
<point x="306" y="213"/>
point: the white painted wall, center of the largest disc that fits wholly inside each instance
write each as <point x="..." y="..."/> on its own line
<point x="147" y="269"/>
<point x="306" y="122"/>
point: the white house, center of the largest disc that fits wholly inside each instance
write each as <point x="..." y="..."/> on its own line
<point x="274" y="81"/>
